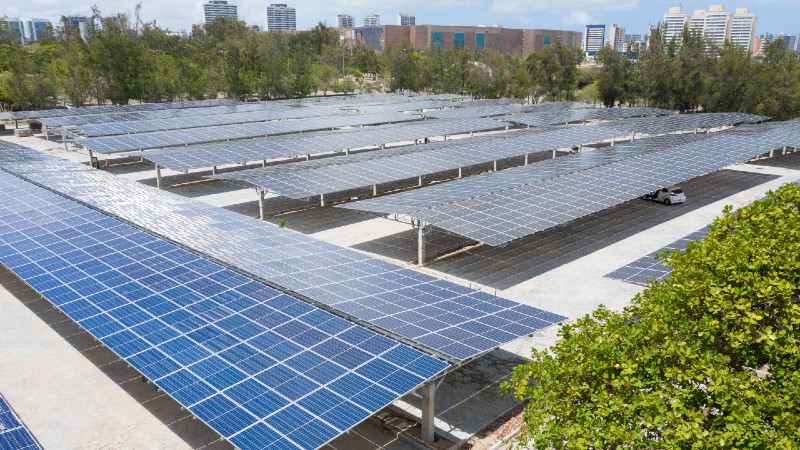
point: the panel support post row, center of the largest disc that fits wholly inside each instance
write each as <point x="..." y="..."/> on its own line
<point x="421" y="243"/>
<point x="261" y="208"/>
<point x="427" y="433"/>
<point x="158" y="176"/>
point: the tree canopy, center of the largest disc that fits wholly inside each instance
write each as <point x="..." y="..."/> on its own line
<point x="708" y="358"/>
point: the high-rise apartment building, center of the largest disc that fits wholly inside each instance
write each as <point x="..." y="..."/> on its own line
<point x="674" y="22"/>
<point x="218" y="8"/>
<point x="713" y="24"/>
<point x="743" y="28"/>
<point x="13" y="26"/>
<point x="345" y="21"/>
<point x="406" y="19"/>
<point x="281" y="17"/>
<point x="716" y="25"/>
<point x="616" y="38"/>
<point x="790" y="41"/>
<point x="372" y="20"/>
<point x="37" y="29"/>
<point x="593" y="39"/>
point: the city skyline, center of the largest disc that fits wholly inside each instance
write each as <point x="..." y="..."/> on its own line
<point x="634" y="15"/>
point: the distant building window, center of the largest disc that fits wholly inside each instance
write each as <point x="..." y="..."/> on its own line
<point x="547" y="40"/>
<point x="480" y="41"/>
<point x="560" y="39"/>
<point x="458" y="40"/>
<point x="572" y="41"/>
<point x="436" y="40"/>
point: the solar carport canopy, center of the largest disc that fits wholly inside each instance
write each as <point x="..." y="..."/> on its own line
<point x="411" y="201"/>
<point x="539" y="119"/>
<point x="457" y="154"/>
<point x="511" y="214"/>
<point x="257" y="365"/>
<point x="143" y="141"/>
<point x="276" y="110"/>
<point x="43" y="113"/>
<point x="209" y="155"/>
<point x="445" y="319"/>
<point x="147" y="126"/>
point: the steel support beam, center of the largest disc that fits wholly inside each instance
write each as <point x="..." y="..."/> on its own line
<point x="374" y="189"/>
<point x="494" y="166"/>
<point x="261" y="208"/>
<point x="526" y="159"/>
<point x="213" y="170"/>
<point x="321" y="199"/>
<point x="428" y="427"/>
<point x="460" y="172"/>
<point x="421" y="243"/>
<point x="158" y="176"/>
<point x="420" y="181"/>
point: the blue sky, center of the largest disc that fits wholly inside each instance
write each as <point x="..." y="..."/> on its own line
<point x="773" y="15"/>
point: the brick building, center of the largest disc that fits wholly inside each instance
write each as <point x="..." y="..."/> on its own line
<point x="503" y="40"/>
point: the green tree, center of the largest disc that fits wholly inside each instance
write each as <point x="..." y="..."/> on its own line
<point x="708" y="358"/>
<point x="554" y="72"/>
<point x="612" y="76"/>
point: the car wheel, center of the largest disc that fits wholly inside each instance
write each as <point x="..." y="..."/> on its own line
<point x="667" y="201"/>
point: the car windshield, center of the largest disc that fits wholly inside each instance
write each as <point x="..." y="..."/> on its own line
<point x="677" y="191"/>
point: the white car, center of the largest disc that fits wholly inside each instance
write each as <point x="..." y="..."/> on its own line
<point x="666" y="196"/>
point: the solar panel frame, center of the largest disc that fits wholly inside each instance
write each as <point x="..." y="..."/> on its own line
<point x="648" y="268"/>
<point x="13" y="432"/>
<point x="45" y="113"/>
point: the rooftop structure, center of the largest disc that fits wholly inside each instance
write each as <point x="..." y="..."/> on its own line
<point x="37" y="29"/>
<point x="13" y="26"/>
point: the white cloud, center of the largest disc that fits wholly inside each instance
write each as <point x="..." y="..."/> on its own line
<point x="571" y="12"/>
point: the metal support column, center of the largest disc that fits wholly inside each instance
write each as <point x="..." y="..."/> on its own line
<point x="260" y="203"/>
<point x="263" y="163"/>
<point x="158" y="176"/>
<point x="507" y="127"/>
<point x="308" y="156"/>
<point x="213" y="170"/>
<point x="471" y="133"/>
<point x="46" y="133"/>
<point x="612" y="141"/>
<point x="420" y="180"/>
<point x="347" y="152"/>
<point x="445" y="137"/>
<point x="494" y="166"/>
<point x="91" y="157"/>
<point x="772" y="153"/>
<point x="16" y="123"/>
<point x="554" y="153"/>
<point x="460" y="173"/>
<point x="321" y="199"/>
<point x="784" y="150"/>
<point x="427" y="433"/>
<point x="374" y="189"/>
<point x="421" y="243"/>
<point x="383" y="146"/>
<point x="526" y="159"/>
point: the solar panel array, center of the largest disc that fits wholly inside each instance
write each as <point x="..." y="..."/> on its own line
<point x="539" y="119"/>
<point x="669" y="124"/>
<point x="648" y="267"/>
<point x="172" y="138"/>
<point x="504" y="216"/>
<point x="478" y="111"/>
<point x="260" y="367"/>
<point x="14" y="435"/>
<point x="559" y="106"/>
<point x="268" y="109"/>
<point x="447" y="319"/>
<point x="209" y="155"/>
<point x="430" y="196"/>
<point x="317" y="163"/>
<point x="44" y="113"/>
<point x="465" y="153"/>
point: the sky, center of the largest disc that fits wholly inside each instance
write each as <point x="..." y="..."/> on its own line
<point x="635" y="16"/>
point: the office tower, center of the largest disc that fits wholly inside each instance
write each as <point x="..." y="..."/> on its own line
<point x="281" y="17"/>
<point x="13" y="26"/>
<point x="372" y="20"/>
<point x="38" y="29"/>
<point x="594" y="38"/>
<point x="406" y="19"/>
<point x="616" y="38"/>
<point x="218" y="8"/>
<point x="345" y="21"/>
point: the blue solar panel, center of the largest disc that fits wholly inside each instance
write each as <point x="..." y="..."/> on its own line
<point x="13" y="433"/>
<point x="335" y="278"/>
<point x="255" y="364"/>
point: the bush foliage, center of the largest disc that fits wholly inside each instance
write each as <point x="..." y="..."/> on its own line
<point x="708" y="358"/>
